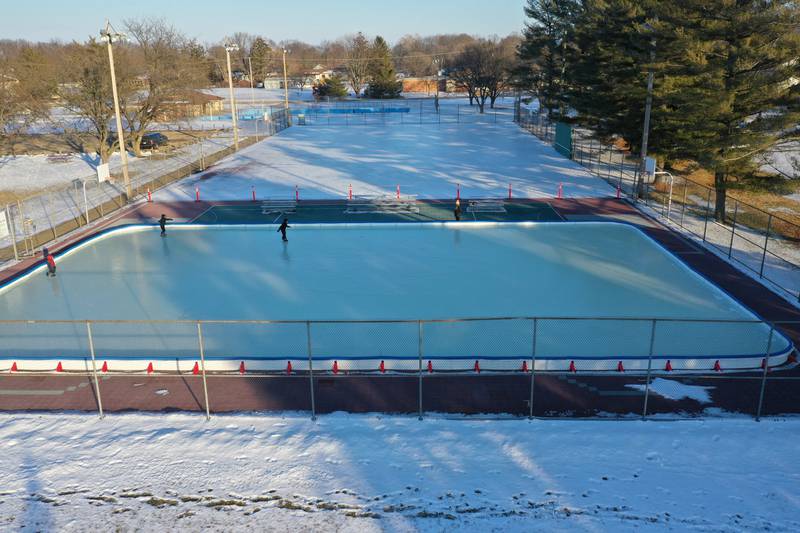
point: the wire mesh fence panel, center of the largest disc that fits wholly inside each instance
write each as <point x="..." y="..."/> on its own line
<point x="361" y="346"/>
<point x="499" y="345"/>
<point x="265" y="346"/>
<point x="706" y="345"/>
<point x="49" y="341"/>
<point x="592" y="344"/>
<point x="170" y="346"/>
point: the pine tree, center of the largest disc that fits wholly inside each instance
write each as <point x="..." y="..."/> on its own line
<point x="261" y="57"/>
<point x="381" y="75"/>
<point x="737" y="78"/>
<point x="544" y="51"/>
<point x="332" y="87"/>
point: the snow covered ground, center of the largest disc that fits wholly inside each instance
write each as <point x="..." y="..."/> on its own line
<point x="128" y="472"/>
<point x="427" y="160"/>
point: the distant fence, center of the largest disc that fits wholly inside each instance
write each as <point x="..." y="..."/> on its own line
<point x="550" y="366"/>
<point x="44" y="217"/>
<point x="396" y="112"/>
<point x="764" y="243"/>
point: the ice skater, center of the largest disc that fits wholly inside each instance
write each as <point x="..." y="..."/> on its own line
<point x="284" y="225"/>
<point x="457" y="210"/>
<point x="51" y="263"/>
<point x="163" y="223"/>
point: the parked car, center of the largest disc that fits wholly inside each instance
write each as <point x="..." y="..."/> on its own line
<point x="150" y="141"/>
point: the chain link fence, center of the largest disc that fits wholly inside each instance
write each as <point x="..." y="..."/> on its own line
<point x="765" y="244"/>
<point x="589" y="367"/>
<point x="28" y="224"/>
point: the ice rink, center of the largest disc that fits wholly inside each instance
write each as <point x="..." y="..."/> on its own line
<point x="427" y="160"/>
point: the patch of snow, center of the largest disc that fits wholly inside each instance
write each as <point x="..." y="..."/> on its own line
<point x="451" y="474"/>
<point x="675" y="390"/>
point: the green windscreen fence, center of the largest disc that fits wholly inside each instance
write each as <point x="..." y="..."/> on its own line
<point x="564" y="139"/>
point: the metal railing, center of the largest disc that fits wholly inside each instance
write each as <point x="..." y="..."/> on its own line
<point x="647" y="352"/>
<point x="764" y="243"/>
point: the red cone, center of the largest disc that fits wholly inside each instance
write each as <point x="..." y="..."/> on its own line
<point x="477" y="367"/>
<point x="382" y="368"/>
<point x="572" y="366"/>
<point x="150" y="367"/>
<point x="14" y="367"/>
<point x="336" y="367"/>
<point x="668" y="366"/>
<point x="717" y="366"/>
<point x="620" y="368"/>
<point x="241" y="368"/>
<point x="105" y="367"/>
<point x="430" y="367"/>
<point x="59" y="368"/>
<point x="196" y="369"/>
<point x="524" y="366"/>
<point x="288" y="368"/>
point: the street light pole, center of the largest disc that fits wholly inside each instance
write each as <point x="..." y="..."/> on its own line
<point x="109" y="36"/>
<point x="646" y="128"/>
<point x="286" y="89"/>
<point x="232" y="47"/>
<point x="438" y="63"/>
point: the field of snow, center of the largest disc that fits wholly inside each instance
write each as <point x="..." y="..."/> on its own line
<point x="72" y="472"/>
<point x="426" y="160"/>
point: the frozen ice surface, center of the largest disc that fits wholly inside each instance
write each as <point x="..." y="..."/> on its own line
<point x="388" y="272"/>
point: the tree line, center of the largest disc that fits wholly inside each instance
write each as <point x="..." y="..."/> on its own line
<point x="726" y="75"/>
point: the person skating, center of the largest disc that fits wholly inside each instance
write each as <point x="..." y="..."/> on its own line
<point x="163" y="223"/>
<point x="51" y="264"/>
<point x="282" y="229"/>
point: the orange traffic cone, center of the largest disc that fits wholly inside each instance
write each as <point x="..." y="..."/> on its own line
<point x="382" y="367"/>
<point x="477" y="367"/>
<point x="430" y="367"/>
<point x="620" y="367"/>
<point x="13" y="367"/>
<point x="524" y="366"/>
<point x="105" y="367"/>
<point x="668" y="366"/>
<point x="288" y="368"/>
<point x="572" y="366"/>
<point x="241" y="368"/>
<point x="196" y="369"/>
<point x="59" y="368"/>
<point x="717" y="366"/>
<point x="336" y="367"/>
<point x="150" y="367"/>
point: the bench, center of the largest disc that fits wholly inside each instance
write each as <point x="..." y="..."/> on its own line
<point x="486" y="206"/>
<point x="382" y="204"/>
<point x="271" y="206"/>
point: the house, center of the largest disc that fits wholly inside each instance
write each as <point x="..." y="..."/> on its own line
<point x="189" y="103"/>
<point x="426" y="84"/>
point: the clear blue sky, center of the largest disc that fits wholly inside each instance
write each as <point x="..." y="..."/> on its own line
<point x="308" y="20"/>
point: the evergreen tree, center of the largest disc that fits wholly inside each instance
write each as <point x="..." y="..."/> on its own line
<point x="332" y="87"/>
<point x="380" y="72"/>
<point x="544" y="50"/>
<point x="737" y="81"/>
<point x="261" y="58"/>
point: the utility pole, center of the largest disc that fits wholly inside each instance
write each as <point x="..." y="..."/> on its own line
<point x="109" y="35"/>
<point x="286" y="89"/>
<point x="232" y="47"/>
<point x="647" y="107"/>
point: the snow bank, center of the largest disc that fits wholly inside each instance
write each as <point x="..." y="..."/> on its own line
<point x="370" y="473"/>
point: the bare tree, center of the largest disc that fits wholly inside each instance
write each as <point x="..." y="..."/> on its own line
<point x="481" y="69"/>
<point x="358" y="53"/>
<point x="161" y="75"/>
<point x="88" y="91"/>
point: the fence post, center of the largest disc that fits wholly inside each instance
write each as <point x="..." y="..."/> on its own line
<point x="94" y="369"/>
<point x="419" y="349"/>
<point x="708" y="208"/>
<point x="764" y="373"/>
<point x="621" y="165"/>
<point x="683" y="209"/>
<point x="763" y="253"/>
<point x="649" y="368"/>
<point x="533" y="365"/>
<point x="203" y="368"/>
<point x="733" y="228"/>
<point x="310" y="370"/>
<point x="13" y="231"/>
